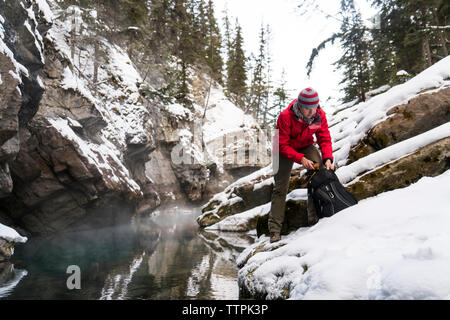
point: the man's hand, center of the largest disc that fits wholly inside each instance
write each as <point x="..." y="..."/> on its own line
<point x="329" y="165"/>
<point x="307" y="164"/>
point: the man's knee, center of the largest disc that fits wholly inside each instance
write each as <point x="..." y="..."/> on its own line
<point x="313" y="154"/>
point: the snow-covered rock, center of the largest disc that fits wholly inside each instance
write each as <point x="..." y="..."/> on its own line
<point x="377" y="91"/>
<point x="11" y="235"/>
<point x="228" y="131"/>
<point x="8" y="237"/>
<point x="393" y="246"/>
<point x="351" y="125"/>
<point x="420" y="114"/>
<point x="429" y="160"/>
<point x="231" y="200"/>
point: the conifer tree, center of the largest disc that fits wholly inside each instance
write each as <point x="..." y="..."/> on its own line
<point x="159" y="35"/>
<point x="213" y="45"/>
<point x="355" y="59"/>
<point x="227" y="26"/>
<point x="280" y="95"/>
<point x="198" y="21"/>
<point x="426" y="30"/>
<point x="236" y="71"/>
<point x="268" y="107"/>
<point x="384" y="64"/>
<point x="259" y="86"/>
<point x="135" y="11"/>
<point x="416" y="31"/>
<point x="228" y="47"/>
<point x="181" y="30"/>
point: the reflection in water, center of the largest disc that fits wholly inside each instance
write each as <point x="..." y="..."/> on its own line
<point x="116" y="288"/>
<point x="226" y="247"/>
<point x="9" y="278"/>
<point x="164" y="256"/>
<point x="222" y="285"/>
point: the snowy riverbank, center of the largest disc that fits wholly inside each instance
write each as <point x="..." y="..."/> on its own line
<point x="393" y="246"/>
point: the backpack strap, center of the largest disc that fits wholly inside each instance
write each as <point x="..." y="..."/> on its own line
<point x="310" y="176"/>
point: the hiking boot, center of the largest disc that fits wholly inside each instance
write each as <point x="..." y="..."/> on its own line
<point x="274" y="237"/>
<point x="312" y="220"/>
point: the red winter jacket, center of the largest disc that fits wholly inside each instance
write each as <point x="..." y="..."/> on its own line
<point x="295" y="134"/>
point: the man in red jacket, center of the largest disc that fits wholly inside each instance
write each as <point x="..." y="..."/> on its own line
<point x="296" y="126"/>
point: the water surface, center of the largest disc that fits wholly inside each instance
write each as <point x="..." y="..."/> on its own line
<point x="164" y="256"/>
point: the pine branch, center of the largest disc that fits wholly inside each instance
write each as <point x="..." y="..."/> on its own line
<point x="315" y="51"/>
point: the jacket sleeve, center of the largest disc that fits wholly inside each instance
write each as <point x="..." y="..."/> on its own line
<point x="324" y="140"/>
<point x="285" y="148"/>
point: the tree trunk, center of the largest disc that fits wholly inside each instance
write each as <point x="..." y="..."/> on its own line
<point x="441" y="34"/>
<point x="96" y="56"/>
<point x="207" y="97"/>
<point x="72" y="36"/>
<point x="426" y="53"/>
<point x="362" y="91"/>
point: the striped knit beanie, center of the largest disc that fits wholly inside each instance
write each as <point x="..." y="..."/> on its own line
<point x="308" y="98"/>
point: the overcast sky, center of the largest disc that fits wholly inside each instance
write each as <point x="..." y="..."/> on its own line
<point x="293" y="37"/>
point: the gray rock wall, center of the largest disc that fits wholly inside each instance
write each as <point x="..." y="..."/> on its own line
<point x="48" y="181"/>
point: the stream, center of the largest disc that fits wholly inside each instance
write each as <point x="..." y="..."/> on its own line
<point x="164" y="256"/>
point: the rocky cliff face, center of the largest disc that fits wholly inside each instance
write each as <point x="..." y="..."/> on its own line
<point x="16" y="82"/>
<point x="61" y="164"/>
<point x="19" y="69"/>
<point x="79" y="142"/>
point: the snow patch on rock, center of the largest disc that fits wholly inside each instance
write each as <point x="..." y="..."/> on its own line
<point x="11" y="235"/>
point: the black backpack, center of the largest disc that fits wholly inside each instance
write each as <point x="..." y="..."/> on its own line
<point x="328" y="194"/>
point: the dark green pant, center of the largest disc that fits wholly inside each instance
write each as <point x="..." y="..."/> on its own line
<point x="282" y="177"/>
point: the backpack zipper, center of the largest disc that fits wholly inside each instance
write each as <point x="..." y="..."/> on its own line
<point x="339" y="197"/>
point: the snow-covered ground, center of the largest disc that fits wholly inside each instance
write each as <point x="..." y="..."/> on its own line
<point x="392" y="246"/>
<point x="225" y="131"/>
<point x="224" y="117"/>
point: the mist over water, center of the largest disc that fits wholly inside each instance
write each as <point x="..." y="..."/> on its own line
<point x="163" y="256"/>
